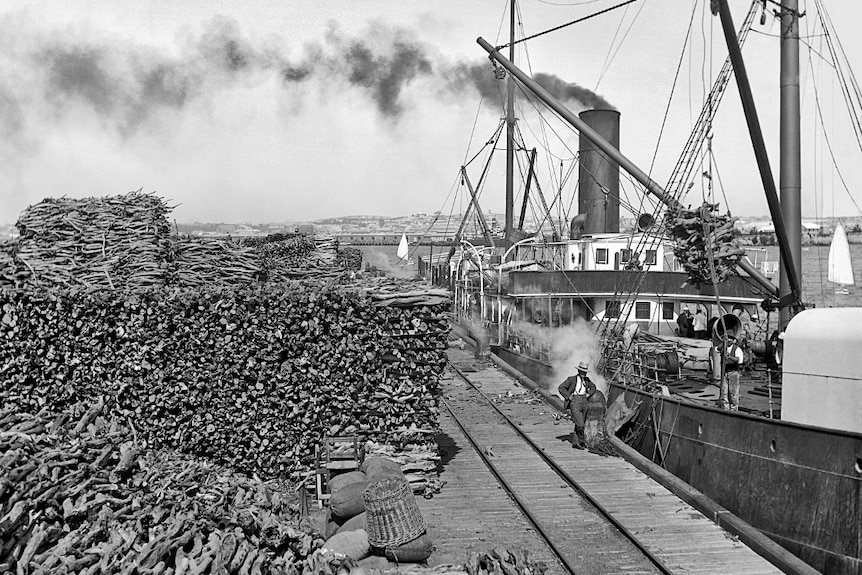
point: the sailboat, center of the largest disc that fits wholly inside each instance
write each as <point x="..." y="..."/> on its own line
<point x="792" y="469"/>
<point x="840" y="265"/>
<point x="403" y="251"/>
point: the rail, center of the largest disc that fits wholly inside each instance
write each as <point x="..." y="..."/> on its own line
<point x="562" y="473"/>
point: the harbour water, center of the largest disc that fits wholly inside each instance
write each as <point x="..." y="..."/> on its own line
<point x="816" y="289"/>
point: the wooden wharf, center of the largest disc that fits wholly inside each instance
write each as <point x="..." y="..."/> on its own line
<point x="474" y="513"/>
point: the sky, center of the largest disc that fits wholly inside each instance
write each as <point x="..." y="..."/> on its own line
<point x="263" y="111"/>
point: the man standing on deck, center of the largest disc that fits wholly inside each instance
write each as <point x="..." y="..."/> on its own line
<point x="574" y="393"/>
<point x="684" y="323"/>
<point x="700" y="324"/>
<point x="728" y="396"/>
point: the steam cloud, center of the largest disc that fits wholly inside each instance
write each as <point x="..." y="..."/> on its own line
<point x="126" y="85"/>
<point x="568" y="345"/>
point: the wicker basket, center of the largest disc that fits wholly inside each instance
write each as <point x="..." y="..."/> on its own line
<point x="392" y="513"/>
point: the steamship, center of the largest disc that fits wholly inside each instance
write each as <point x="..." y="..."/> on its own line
<point x="789" y="461"/>
<point x="584" y="274"/>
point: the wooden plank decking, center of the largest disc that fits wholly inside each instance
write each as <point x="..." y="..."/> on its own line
<point x="471" y="513"/>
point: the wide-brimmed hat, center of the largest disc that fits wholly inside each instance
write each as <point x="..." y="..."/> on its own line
<point x="583" y="366"/>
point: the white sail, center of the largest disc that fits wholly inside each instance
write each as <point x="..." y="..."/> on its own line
<point x="840" y="266"/>
<point x="404" y="249"/>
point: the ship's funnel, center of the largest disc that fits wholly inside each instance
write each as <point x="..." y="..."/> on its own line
<point x="645" y="222"/>
<point x="598" y="175"/>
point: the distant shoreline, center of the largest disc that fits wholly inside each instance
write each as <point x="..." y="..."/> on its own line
<point x="767" y="240"/>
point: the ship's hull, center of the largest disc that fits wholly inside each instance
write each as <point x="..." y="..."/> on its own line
<point x="800" y="485"/>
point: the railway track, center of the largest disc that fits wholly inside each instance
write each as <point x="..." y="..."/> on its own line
<point x="579" y="530"/>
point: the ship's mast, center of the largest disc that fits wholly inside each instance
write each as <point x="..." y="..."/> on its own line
<point x="510" y="132"/>
<point x="790" y="172"/>
<point x="793" y="296"/>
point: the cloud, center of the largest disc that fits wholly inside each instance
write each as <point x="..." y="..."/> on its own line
<point x="219" y="113"/>
<point x="126" y="84"/>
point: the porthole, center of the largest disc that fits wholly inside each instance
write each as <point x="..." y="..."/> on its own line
<point x="700" y="429"/>
<point x="772" y="446"/>
<point x="859" y="465"/>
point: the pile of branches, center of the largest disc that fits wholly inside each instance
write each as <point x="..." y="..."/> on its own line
<point x="326" y="250"/>
<point x="297" y="257"/>
<point x="12" y="272"/>
<point x="705" y="242"/>
<point x="350" y="258"/>
<point x="208" y="261"/>
<point x="124" y="242"/>
<point x="78" y="494"/>
<point x="257" y="241"/>
<point x="119" y="242"/>
<point x="498" y="561"/>
<point x="247" y="377"/>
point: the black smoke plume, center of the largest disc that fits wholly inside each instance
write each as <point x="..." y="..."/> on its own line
<point x="571" y="92"/>
<point x="126" y="85"/>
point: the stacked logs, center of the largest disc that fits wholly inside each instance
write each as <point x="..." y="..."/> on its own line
<point x="202" y="262"/>
<point x="118" y="242"/>
<point x="499" y="560"/>
<point x="124" y="243"/>
<point x="248" y="377"/>
<point x="706" y="243"/>
<point x="286" y="258"/>
<point x="12" y="272"/>
<point x="79" y="495"/>
<point x="350" y="258"/>
<point x="325" y="250"/>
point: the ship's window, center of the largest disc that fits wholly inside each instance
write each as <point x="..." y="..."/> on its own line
<point x="612" y="308"/>
<point x="563" y="310"/>
<point x="642" y="310"/>
<point x="602" y="255"/>
<point x="650" y="258"/>
<point x="667" y="310"/>
<point x="625" y="255"/>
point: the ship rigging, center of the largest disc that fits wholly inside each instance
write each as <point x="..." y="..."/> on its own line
<point x="799" y="449"/>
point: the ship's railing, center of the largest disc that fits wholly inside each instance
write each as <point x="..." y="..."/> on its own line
<point x="527" y="344"/>
<point x="473" y="309"/>
<point x="647" y="368"/>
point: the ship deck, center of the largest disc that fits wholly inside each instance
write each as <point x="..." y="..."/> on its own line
<point x="757" y="393"/>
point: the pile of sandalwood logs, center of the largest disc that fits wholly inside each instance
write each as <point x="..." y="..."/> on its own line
<point x="250" y="377"/>
<point x="705" y="242"/>
<point x="208" y="261"/>
<point x="498" y="561"/>
<point x="78" y="494"/>
<point x="124" y="242"/>
<point x="10" y="274"/>
<point x="296" y="257"/>
<point x="350" y="258"/>
<point x="119" y="242"/>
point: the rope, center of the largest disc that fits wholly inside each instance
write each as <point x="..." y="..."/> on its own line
<point x="672" y="89"/>
<point x="611" y="53"/>
<point x="826" y="134"/>
<point x="560" y="27"/>
<point x="620" y="45"/>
